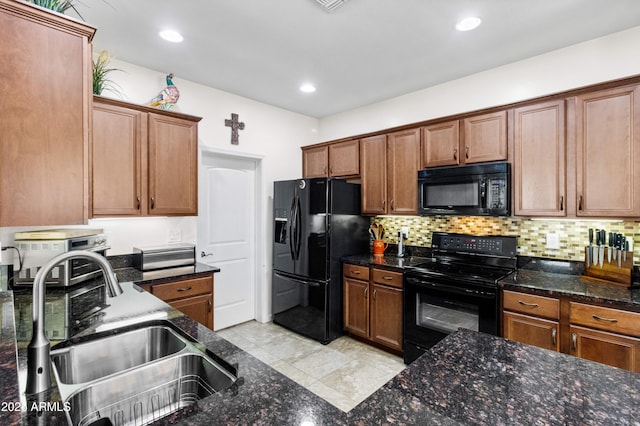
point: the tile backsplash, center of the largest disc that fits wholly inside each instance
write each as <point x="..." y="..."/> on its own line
<point x="532" y="233"/>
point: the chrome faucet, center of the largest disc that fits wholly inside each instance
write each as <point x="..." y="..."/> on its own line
<point x="38" y="351"/>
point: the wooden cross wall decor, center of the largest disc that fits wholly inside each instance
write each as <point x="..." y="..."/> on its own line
<point x="235" y="126"/>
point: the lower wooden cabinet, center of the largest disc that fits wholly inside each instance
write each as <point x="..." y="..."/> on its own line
<point x="607" y="348"/>
<point x="373" y="305"/>
<point x="531" y="319"/>
<point x="597" y="333"/>
<point x="193" y="297"/>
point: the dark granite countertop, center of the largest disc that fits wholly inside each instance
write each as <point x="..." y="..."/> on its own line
<point x="468" y="378"/>
<point x="540" y="281"/>
<point x="388" y="261"/>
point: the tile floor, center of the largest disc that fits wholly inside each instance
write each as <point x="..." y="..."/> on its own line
<point x="344" y="372"/>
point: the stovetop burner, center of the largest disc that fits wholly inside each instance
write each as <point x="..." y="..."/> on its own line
<point x="459" y="257"/>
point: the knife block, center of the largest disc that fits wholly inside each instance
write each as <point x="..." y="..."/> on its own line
<point x="610" y="273"/>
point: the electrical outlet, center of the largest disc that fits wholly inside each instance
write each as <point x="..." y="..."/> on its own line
<point x="553" y="241"/>
<point x="174" y="235"/>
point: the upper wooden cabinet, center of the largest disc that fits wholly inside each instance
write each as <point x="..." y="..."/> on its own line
<point x="539" y="172"/>
<point x="144" y="161"/>
<point x="607" y="138"/>
<point x="45" y="63"/>
<point x="441" y="144"/>
<point x="334" y="160"/>
<point x="485" y="138"/>
<point x="389" y="173"/>
<point x="476" y="139"/>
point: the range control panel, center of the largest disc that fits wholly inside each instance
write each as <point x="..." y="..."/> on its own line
<point x="474" y="244"/>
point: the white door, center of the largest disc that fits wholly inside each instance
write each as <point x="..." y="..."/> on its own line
<point x="227" y="234"/>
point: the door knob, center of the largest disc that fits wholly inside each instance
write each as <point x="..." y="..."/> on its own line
<point x="203" y="254"/>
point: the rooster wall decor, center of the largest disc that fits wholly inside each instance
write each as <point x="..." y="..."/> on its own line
<point x="168" y="97"/>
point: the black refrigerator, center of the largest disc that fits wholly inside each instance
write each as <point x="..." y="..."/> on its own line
<point x="316" y="222"/>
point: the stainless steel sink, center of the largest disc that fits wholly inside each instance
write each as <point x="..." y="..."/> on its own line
<point x="150" y="392"/>
<point x="136" y="377"/>
<point x="99" y="358"/>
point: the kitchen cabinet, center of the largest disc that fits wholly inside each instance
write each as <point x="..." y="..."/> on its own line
<point x="339" y="159"/>
<point x="475" y="139"/>
<point x="607" y="153"/>
<point x="144" y="161"/>
<point x="606" y="335"/>
<point x="193" y="297"/>
<point x="373" y="305"/>
<point x="46" y="103"/>
<point x="531" y="319"/>
<point x="540" y="159"/>
<point x="389" y="173"/>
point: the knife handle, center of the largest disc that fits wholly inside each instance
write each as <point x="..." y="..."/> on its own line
<point x="590" y="235"/>
<point x="597" y="237"/>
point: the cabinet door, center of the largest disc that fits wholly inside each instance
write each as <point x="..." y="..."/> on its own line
<point x="373" y="173"/>
<point x="344" y="158"/>
<point x="539" y="160"/>
<point x="403" y="163"/>
<point x="531" y="330"/>
<point x="485" y="138"/>
<point x="315" y="162"/>
<point x="356" y="306"/>
<point x="386" y="316"/>
<point x="173" y="166"/>
<point x="440" y="144"/>
<point x="118" y="137"/>
<point x="45" y="100"/>
<point x="198" y="308"/>
<point x="608" y="153"/>
<point x="607" y="348"/>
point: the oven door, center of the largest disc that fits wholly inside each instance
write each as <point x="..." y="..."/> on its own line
<point x="434" y="308"/>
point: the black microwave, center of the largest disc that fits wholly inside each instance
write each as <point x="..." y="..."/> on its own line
<point x="473" y="190"/>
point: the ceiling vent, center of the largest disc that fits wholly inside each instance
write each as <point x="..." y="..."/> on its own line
<point x="330" y="5"/>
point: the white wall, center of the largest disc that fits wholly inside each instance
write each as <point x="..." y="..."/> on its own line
<point x="606" y="58"/>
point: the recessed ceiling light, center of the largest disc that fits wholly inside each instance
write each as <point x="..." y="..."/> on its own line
<point x="468" y="24"/>
<point x="172" y="36"/>
<point x="308" y="88"/>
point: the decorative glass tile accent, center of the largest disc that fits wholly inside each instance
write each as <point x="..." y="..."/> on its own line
<point x="532" y="234"/>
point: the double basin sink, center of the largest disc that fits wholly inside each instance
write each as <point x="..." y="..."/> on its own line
<point x="136" y="376"/>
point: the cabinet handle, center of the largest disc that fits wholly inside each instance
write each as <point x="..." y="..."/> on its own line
<point x="331" y="170"/>
<point x="384" y="204"/>
<point x="554" y="334"/>
<point x="374" y="294"/>
<point x="138" y="202"/>
<point x="466" y="152"/>
<point x="596" y="317"/>
<point x="355" y="272"/>
<point x="209" y="303"/>
<point x="455" y="154"/>
<point x="574" y="342"/>
<point x="531" y="305"/>
<point x="387" y="278"/>
<point x="184" y="289"/>
<point x="153" y="202"/>
<point x="580" y="203"/>
<point x="561" y="202"/>
<point x="366" y="292"/>
<point x="392" y="208"/>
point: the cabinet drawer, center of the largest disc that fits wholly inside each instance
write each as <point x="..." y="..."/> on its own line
<point x="531" y="304"/>
<point x="382" y="276"/>
<point x="356" y="271"/>
<point x="608" y="319"/>
<point x="182" y="289"/>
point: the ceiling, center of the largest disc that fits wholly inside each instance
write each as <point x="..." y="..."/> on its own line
<point x="363" y="52"/>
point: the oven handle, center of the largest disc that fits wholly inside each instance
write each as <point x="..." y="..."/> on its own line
<point x="422" y="284"/>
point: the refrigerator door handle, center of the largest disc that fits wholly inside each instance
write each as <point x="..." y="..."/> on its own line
<point x="298" y="228"/>
<point x="292" y="228"/>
